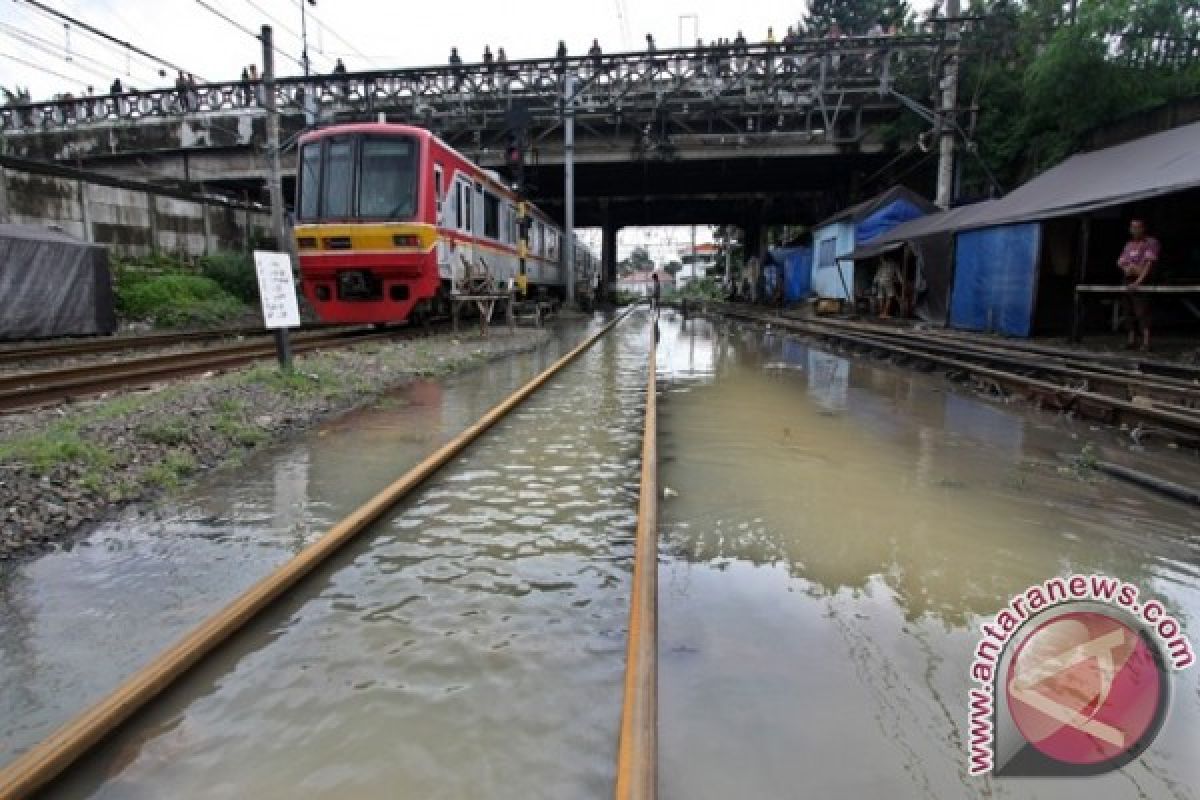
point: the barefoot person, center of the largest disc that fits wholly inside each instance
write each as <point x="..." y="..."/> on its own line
<point x="1136" y="263"/>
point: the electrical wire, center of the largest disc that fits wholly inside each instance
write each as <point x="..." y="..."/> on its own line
<point x="38" y="67"/>
<point x="85" y="26"/>
<point x="52" y="48"/>
<point x="243" y="29"/>
<point x="135" y="66"/>
<point x="342" y="39"/>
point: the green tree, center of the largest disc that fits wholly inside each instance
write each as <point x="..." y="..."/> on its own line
<point x="638" y="261"/>
<point x="855" y="16"/>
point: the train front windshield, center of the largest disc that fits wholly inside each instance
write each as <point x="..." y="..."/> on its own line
<point x="358" y="177"/>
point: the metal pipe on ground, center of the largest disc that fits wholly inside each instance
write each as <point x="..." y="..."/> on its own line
<point x="40" y="765"/>
<point x="1176" y="491"/>
<point x="637" y="752"/>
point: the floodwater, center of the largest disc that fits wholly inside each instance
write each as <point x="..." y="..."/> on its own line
<point x="434" y="656"/>
<point x="835" y="533"/>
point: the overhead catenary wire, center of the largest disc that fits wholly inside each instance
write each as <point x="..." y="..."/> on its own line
<point x="38" y="67"/>
<point x="32" y="22"/>
<point x="208" y="7"/>
<point x="341" y="38"/>
<point x="40" y="44"/>
<point x="98" y="32"/>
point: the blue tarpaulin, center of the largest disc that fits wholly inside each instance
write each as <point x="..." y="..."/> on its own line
<point x="797" y="271"/>
<point x="885" y="218"/>
<point x="995" y="273"/>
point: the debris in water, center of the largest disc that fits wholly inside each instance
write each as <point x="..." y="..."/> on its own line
<point x="669" y="492"/>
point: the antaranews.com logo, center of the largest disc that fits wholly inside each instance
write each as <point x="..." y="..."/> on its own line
<point x="1071" y="678"/>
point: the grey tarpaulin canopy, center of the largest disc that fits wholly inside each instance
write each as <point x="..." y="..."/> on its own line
<point x="52" y="284"/>
<point x="1155" y="165"/>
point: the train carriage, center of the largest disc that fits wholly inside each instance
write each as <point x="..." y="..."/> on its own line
<point x="392" y="221"/>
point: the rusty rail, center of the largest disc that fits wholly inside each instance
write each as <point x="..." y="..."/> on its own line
<point x="637" y="753"/>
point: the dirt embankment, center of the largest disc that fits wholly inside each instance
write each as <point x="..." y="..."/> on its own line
<point x="62" y="469"/>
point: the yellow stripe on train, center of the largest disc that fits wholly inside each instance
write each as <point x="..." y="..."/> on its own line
<point x="380" y="236"/>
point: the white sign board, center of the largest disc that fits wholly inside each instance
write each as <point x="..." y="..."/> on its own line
<point x="276" y="289"/>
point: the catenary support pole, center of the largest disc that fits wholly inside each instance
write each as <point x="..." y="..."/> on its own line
<point x="568" y="249"/>
<point x="945" y="173"/>
<point x="274" y="174"/>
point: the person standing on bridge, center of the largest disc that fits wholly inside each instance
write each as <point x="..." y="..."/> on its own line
<point x="655" y="291"/>
<point x="456" y="68"/>
<point x="1137" y="261"/>
<point x="596" y="55"/>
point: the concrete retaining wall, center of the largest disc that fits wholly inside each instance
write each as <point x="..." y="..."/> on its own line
<point x="131" y="219"/>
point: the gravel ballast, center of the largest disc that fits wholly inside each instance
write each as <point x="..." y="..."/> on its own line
<point x="63" y="469"/>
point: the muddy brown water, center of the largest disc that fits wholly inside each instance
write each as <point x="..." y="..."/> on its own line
<point x="834" y="533"/>
<point x="839" y="529"/>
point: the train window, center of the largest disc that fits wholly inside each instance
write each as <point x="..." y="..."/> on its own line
<point x="491" y="216"/>
<point x="437" y="189"/>
<point x="310" y="181"/>
<point x="387" y="185"/>
<point x="338" y="185"/>
<point x="468" y="208"/>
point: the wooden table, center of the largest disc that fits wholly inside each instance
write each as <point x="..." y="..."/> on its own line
<point x="1101" y="290"/>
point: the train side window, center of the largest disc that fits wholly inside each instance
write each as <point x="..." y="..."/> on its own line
<point x="468" y="209"/>
<point x="491" y="216"/>
<point x="437" y="190"/>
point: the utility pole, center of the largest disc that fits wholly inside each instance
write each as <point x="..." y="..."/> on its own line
<point x="304" y="35"/>
<point x="274" y="174"/>
<point x="569" y="187"/>
<point x="947" y="118"/>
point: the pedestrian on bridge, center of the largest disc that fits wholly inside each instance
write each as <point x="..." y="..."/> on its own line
<point x="489" y="64"/>
<point x="456" y="68"/>
<point x="655" y="291"/>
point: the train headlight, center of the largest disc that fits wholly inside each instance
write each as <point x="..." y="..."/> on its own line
<point x="406" y="240"/>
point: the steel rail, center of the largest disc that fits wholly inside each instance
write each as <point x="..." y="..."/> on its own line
<point x="1075" y="365"/>
<point x="115" y="344"/>
<point x="29" y="389"/>
<point x="1175" y="419"/>
<point x="39" y="766"/>
<point x="1113" y="366"/>
<point x="637" y="750"/>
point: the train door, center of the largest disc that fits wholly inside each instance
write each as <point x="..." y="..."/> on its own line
<point x="441" y="212"/>
<point x="464" y="253"/>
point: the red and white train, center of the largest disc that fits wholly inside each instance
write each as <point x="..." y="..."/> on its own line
<point x="392" y="221"/>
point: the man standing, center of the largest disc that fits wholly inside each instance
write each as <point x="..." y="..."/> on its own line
<point x="655" y="291"/>
<point x="1136" y="263"/>
<point x="887" y="275"/>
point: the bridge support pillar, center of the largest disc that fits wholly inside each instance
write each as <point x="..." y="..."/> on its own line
<point x="755" y="242"/>
<point x="608" y="261"/>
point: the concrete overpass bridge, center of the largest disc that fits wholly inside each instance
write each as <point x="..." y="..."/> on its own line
<point x="740" y="135"/>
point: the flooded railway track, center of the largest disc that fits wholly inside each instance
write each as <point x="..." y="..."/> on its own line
<point x="23" y="390"/>
<point x="1101" y="388"/>
<point x="44" y="763"/>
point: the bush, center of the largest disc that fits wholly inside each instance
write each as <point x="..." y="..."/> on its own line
<point x="233" y="272"/>
<point x="175" y="300"/>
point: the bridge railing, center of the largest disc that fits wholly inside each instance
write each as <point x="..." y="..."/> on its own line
<point x="754" y="73"/>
